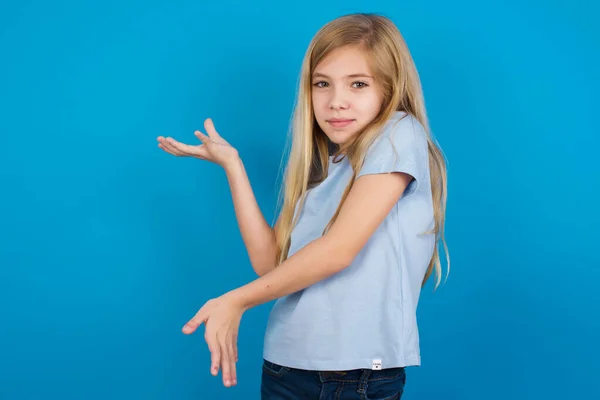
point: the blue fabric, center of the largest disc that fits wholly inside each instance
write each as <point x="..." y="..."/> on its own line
<point x="366" y="313"/>
<point x="283" y="383"/>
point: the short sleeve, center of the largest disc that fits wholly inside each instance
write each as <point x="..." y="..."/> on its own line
<point x="401" y="147"/>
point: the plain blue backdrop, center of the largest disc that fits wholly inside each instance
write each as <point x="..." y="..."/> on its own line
<point x="109" y="245"/>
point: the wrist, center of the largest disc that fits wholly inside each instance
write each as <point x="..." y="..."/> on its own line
<point x="233" y="165"/>
<point x="236" y="297"/>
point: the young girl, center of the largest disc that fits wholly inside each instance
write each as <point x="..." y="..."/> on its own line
<point x="358" y="233"/>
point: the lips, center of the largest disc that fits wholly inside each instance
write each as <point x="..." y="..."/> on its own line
<point x="339" y="122"/>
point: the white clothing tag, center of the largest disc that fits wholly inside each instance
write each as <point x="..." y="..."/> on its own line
<point x="376" y="364"/>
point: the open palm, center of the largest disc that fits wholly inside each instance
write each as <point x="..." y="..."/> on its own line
<point x="213" y="148"/>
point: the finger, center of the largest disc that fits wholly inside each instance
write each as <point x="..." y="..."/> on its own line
<point x="234" y="345"/>
<point x="170" y="150"/>
<point x="185" y="149"/>
<point x="195" y="322"/>
<point x="162" y="143"/>
<point x="215" y="354"/>
<point x="168" y="145"/>
<point x="225" y="363"/>
<point x="203" y="138"/>
<point x="232" y="360"/>
<point x="210" y="129"/>
<point x="233" y="373"/>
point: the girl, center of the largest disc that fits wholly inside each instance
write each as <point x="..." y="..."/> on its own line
<point x="357" y="236"/>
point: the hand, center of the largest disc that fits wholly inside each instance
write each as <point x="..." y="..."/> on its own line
<point x="213" y="148"/>
<point x="221" y="317"/>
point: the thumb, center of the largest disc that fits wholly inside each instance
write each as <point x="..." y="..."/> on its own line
<point x="210" y="129"/>
<point x="194" y="323"/>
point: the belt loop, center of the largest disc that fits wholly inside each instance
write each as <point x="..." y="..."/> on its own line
<point x="362" y="384"/>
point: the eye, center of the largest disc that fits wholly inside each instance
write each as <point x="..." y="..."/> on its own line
<point x="318" y="84"/>
<point x="364" y="84"/>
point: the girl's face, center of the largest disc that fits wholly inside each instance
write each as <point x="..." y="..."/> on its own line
<point x="345" y="95"/>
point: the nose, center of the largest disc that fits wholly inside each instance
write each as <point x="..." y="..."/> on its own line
<point x="338" y="100"/>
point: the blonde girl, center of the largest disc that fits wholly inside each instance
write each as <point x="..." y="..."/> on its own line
<point x="359" y="228"/>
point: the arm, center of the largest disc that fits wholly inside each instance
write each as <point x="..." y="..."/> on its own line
<point x="382" y="181"/>
<point x="369" y="202"/>
<point x="257" y="235"/>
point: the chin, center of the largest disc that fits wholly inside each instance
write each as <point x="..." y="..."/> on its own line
<point x="340" y="137"/>
<point x="334" y="137"/>
<point x="337" y="136"/>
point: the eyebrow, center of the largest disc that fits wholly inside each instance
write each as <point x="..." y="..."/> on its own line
<point x="359" y="75"/>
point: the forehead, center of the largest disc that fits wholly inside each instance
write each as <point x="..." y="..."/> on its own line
<point x="344" y="61"/>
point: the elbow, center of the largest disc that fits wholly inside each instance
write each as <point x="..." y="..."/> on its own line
<point x="264" y="268"/>
<point x="264" y="260"/>
<point x="339" y="256"/>
<point x="343" y="262"/>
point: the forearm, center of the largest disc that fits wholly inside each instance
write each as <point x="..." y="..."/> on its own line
<point x="316" y="261"/>
<point x="257" y="234"/>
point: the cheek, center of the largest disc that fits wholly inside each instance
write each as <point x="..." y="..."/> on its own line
<point x="319" y="103"/>
<point x="370" y="100"/>
<point x="372" y="103"/>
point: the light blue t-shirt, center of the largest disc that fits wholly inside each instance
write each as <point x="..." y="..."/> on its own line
<point x="365" y="315"/>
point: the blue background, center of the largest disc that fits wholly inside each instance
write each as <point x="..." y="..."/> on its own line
<point x="109" y="245"/>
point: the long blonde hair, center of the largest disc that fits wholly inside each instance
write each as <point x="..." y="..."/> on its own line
<point x="395" y="71"/>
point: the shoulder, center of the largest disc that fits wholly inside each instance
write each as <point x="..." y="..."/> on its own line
<point x="401" y="146"/>
<point x="403" y="126"/>
<point x="402" y="134"/>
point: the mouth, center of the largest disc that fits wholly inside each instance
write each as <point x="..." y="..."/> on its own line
<point x="339" y="122"/>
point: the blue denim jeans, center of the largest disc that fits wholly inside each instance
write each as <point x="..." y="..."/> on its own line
<point x="283" y="383"/>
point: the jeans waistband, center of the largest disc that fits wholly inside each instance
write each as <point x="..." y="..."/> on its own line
<point x="359" y="375"/>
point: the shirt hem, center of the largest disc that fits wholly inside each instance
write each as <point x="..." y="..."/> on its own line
<point x="341" y="365"/>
